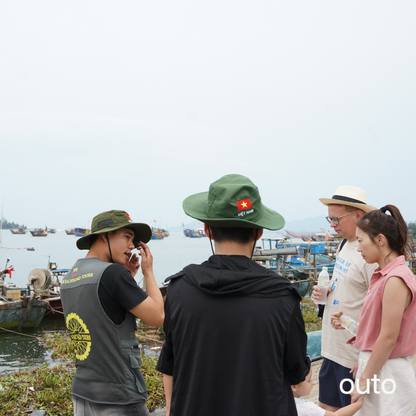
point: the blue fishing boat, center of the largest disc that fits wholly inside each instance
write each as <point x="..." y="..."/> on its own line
<point x="199" y="233"/>
<point x="313" y="347"/>
<point x="81" y="232"/>
<point x="157" y="234"/>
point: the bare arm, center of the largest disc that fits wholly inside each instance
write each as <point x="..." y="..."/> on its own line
<point x="151" y="310"/>
<point x="396" y="298"/>
<point x="168" y="385"/>
<point x="347" y="410"/>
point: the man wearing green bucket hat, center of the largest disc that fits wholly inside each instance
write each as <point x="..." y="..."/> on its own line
<point x="101" y="301"/>
<point x="235" y="337"/>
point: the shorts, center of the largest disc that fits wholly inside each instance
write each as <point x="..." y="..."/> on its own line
<point x="395" y="392"/>
<point x="85" y="408"/>
<point x="330" y="378"/>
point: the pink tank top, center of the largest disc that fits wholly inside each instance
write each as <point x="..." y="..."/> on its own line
<point x="370" y="319"/>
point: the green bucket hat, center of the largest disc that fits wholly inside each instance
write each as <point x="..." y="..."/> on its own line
<point x="113" y="220"/>
<point x="232" y="201"/>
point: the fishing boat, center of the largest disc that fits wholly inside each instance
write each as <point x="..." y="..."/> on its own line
<point x="279" y="260"/>
<point x="157" y="234"/>
<point x="39" y="232"/>
<point x="311" y="257"/>
<point x="80" y="232"/>
<point x="313" y="347"/>
<point x="19" y="230"/>
<point x="186" y="232"/>
<point x="27" y="311"/>
<point x="51" y="230"/>
<point x="194" y="234"/>
<point x="46" y="285"/>
<point x="70" y="231"/>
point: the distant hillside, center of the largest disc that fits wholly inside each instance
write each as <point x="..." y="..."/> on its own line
<point x="192" y="225"/>
<point x="307" y="225"/>
<point x="7" y="225"/>
<point x="316" y="224"/>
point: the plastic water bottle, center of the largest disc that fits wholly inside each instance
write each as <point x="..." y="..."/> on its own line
<point x="323" y="283"/>
<point x="349" y="324"/>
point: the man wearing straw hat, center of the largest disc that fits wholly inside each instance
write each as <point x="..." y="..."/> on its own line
<point x="101" y="302"/>
<point x="235" y="337"/>
<point x="347" y="290"/>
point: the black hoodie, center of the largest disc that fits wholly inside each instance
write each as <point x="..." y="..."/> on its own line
<point x="235" y="340"/>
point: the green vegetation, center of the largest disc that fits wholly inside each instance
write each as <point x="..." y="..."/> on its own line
<point x="310" y="315"/>
<point x="39" y="389"/>
<point x="7" y="225"/>
<point x="50" y="388"/>
<point x="412" y="229"/>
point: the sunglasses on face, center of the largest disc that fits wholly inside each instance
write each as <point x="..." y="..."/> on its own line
<point x="335" y="220"/>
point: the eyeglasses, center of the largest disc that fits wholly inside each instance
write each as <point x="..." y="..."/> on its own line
<point x="335" y="220"/>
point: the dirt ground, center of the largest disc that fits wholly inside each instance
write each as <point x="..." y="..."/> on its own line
<point x="316" y="365"/>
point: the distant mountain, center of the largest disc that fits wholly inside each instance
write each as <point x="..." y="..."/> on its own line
<point x="192" y="225"/>
<point x="307" y="225"/>
<point x="316" y="224"/>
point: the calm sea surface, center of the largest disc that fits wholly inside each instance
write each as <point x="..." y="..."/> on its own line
<point x="170" y="255"/>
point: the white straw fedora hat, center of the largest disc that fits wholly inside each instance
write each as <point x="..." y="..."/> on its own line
<point x="351" y="196"/>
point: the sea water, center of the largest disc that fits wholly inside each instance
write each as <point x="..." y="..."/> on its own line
<point x="170" y="255"/>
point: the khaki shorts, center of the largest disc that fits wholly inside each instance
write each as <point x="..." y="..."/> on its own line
<point x="85" y="408"/>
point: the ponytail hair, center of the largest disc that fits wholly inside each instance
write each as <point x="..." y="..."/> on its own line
<point x="392" y="226"/>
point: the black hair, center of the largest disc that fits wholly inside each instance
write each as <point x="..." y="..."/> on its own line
<point x="393" y="227"/>
<point x="237" y="235"/>
<point x="93" y="239"/>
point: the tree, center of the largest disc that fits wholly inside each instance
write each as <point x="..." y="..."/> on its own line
<point x="412" y="229"/>
<point x="7" y="224"/>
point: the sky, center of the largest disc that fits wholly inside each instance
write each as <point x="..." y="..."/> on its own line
<point x="136" y="105"/>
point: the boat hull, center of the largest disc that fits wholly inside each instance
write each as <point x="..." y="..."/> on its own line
<point x="17" y="231"/>
<point x="314" y="344"/>
<point x="301" y="286"/>
<point x="81" y="232"/>
<point x="22" y="314"/>
<point x="55" y="308"/>
<point x="39" y="233"/>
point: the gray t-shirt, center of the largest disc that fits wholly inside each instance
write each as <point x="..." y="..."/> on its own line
<point x="350" y="282"/>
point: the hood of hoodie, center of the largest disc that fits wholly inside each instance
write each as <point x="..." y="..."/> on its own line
<point x="236" y="276"/>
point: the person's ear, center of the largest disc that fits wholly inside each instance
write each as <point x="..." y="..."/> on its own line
<point x="208" y="231"/>
<point x="359" y="214"/>
<point x="258" y="233"/>
<point x="381" y="240"/>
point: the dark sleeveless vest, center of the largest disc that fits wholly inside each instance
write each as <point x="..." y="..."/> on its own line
<point x="107" y="355"/>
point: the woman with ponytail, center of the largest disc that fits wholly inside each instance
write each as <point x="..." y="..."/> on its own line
<point x="386" y="334"/>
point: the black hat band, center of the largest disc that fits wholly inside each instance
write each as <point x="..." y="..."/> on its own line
<point x="347" y="199"/>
